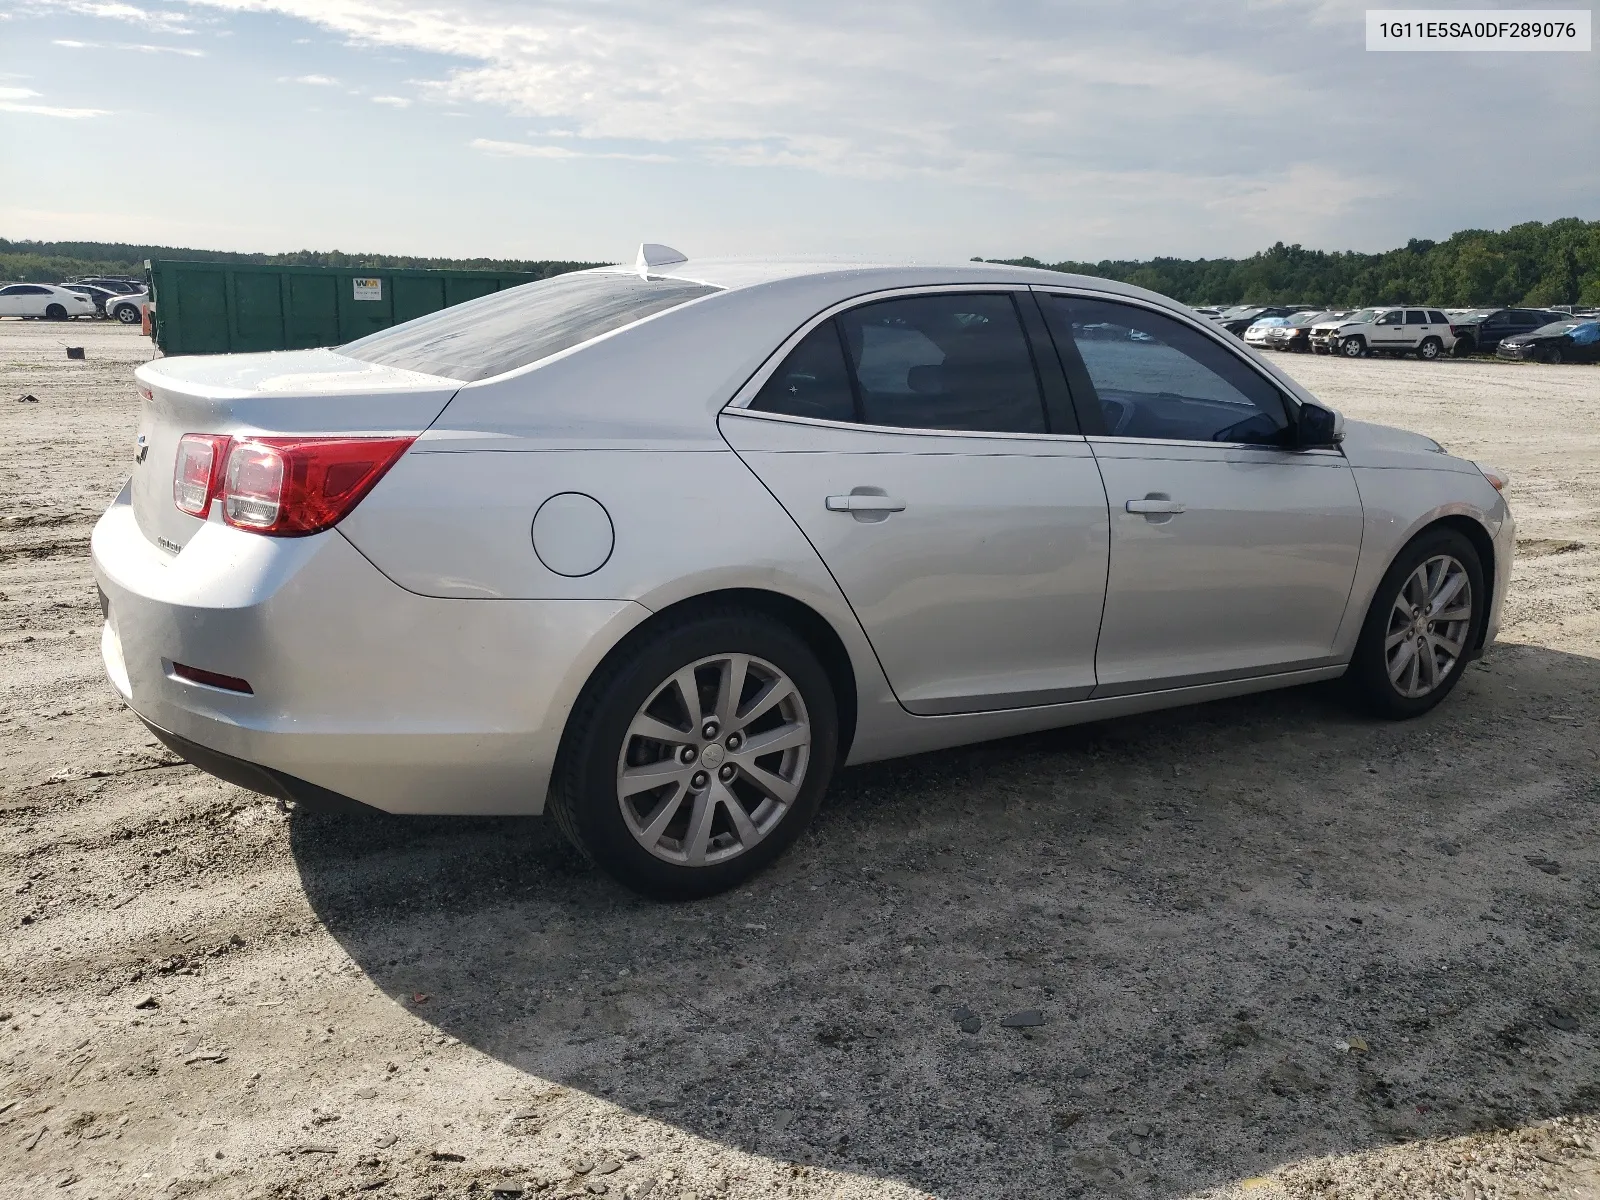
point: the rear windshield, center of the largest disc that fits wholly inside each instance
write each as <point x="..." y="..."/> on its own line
<point x="506" y="330"/>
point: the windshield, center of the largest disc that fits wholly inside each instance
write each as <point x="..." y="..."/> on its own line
<point x="1305" y="318"/>
<point x="1241" y="310"/>
<point x="506" y="330"/>
<point x="1361" y="317"/>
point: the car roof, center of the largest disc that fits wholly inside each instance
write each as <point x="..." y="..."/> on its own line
<point x="738" y="273"/>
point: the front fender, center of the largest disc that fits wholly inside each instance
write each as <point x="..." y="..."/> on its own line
<point x="1398" y="504"/>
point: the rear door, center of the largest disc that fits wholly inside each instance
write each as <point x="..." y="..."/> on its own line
<point x="1230" y="555"/>
<point x="925" y="445"/>
<point x="1417" y="327"/>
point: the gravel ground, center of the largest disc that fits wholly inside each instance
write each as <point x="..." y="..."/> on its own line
<point x="1276" y="949"/>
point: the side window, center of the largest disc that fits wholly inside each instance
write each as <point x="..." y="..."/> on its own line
<point x="944" y="362"/>
<point x="812" y="382"/>
<point x="1437" y="318"/>
<point x="1415" y="316"/>
<point x="15" y="289"/>
<point x="1155" y="377"/>
<point x="1391" y="318"/>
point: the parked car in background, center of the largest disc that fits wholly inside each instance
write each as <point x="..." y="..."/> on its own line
<point x="128" y="309"/>
<point x="125" y="284"/>
<point x="863" y="436"/>
<point x="1256" y="335"/>
<point x="1480" y="331"/>
<point x="98" y="294"/>
<point x="1572" y="340"/>
<point x="1294" y="333"/>
<point x="1425" y="332"/>
<point x="43" y="300"/>
<point x="1239" y="318"/>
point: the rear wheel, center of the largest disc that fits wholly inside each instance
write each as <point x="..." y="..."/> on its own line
<point x="56" y="312"/>
<point x="1424" y="620"/>
<point x="128" y="314"/>
<point x="1353" y="347"/>
<point x="697" y="758"/>
<point x="1430" y="349"/>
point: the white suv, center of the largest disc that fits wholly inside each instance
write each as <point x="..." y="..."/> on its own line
<point x="1425" y="331"/>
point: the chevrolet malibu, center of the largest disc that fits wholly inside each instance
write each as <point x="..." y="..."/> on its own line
<point x="659" y="548"/>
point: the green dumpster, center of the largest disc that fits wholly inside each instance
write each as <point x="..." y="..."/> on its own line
<point x="227" y="308"/>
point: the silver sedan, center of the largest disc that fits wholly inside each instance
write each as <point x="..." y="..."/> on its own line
<point x="659" y="548"/>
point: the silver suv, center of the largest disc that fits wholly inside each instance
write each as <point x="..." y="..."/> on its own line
<point x="1423" y="331"/>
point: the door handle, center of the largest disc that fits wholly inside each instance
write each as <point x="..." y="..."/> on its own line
<point x="859" y="503"/>
<point x="1154" y="504"/>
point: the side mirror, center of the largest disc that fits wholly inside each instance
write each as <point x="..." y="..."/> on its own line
<point x="1317" y="428"/>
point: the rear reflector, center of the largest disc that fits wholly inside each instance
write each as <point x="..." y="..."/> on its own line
<point x="290" y="487"/>
<point x="197" y="473"/>
<point x="228" y="683"/>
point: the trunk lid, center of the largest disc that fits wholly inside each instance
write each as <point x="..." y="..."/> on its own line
<point x="293" y="392"/>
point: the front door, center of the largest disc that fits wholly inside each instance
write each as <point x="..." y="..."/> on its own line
<point x="1389" y="330"/>
<point x="908" y="439"/>
<point x="1231" y="556"/>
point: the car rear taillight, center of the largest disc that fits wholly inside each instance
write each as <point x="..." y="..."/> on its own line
<point x="197" y="473"/>
<point x="290" y="487"/>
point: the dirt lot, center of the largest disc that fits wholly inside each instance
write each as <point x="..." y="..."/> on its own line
<point x="1278" y="949"/>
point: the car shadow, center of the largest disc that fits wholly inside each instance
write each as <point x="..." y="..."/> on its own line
<point x="1251" y="932"/>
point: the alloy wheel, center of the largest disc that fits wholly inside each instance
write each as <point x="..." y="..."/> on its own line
<point x="713" y="760"/>
<point x="1429" y="622"/>
<point x="1352" y="347"/>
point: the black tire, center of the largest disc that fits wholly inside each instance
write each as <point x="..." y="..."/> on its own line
<point x="1368" y="676"/>
<point x="1430" y="349"/>
<point x="1464" y="348"/>
<point x="55" y="312"/>
<point x="1552" y="355"/>
<point x="128" y="314"/>
<point x="584" y="792"/>
<point x="1353" y="347"/>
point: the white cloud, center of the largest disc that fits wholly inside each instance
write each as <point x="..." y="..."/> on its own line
<point x="392" y="101"/>
<point x="72" y="45"/>
<point x="164" y="21"/>
<point x="141" y="47"/>
<point x="313" y="80"/>
<point x="16" y="93"/>
<point x="527" y="150"/>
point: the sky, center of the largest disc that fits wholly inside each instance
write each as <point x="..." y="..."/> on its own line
<point x="926" y="129"/>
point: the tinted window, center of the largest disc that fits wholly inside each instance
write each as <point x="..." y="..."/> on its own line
<point x="1415" y="316"/>
<point x="506" y="330"/>
<point x="1155" y="377"/>
<point x="1437" y="317"/>
<point x="14" y="290"/>
<point x="1523" y="320"/>
<point x="943" y="362"/>
<point x="812" y="382"/>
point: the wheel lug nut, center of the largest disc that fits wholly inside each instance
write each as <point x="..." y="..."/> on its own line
<point x="726" y="773"/>
<point x="688" y="754"/>
<point x="708" y="730"/>
<point x="734" y="741"/>
<point x="698" y="780"/>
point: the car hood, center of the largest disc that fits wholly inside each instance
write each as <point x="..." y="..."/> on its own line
<point x="1368" y="445"/>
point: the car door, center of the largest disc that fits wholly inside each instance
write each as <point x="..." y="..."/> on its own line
<point x="925" y="444"/>
<point x="1417" y="327"/>
<point x="1389" y="330"/>
<point x="1231" y="556"/>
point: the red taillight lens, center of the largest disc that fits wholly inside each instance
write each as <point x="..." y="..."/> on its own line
<point x="197" y="473"/>
<point x="289" y="487"/>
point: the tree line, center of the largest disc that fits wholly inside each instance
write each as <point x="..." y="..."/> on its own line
<point x="1534" y="264"/>
<point x="52" y="262"/>
<point x="1531" y="264"/>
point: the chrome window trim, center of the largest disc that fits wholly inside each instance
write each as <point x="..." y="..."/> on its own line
<point x="740" y="404"/>
<point x="903" y="430"/>
<point x="1322" y="451"/>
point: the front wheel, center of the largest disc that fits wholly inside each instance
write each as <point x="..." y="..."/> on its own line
<point x="697" y="757"/>
<point x="1552" y="355"/>
<point x="1353" y="347"/>
<point x="127" y="314"/>
<point x="1424" y="621"/>
<point x="1430" y="349"/>
<point x="56" y="312"/>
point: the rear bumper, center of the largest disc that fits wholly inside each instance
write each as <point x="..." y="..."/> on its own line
<point x="256" y="778"/>
<point x="360" y="689"/>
